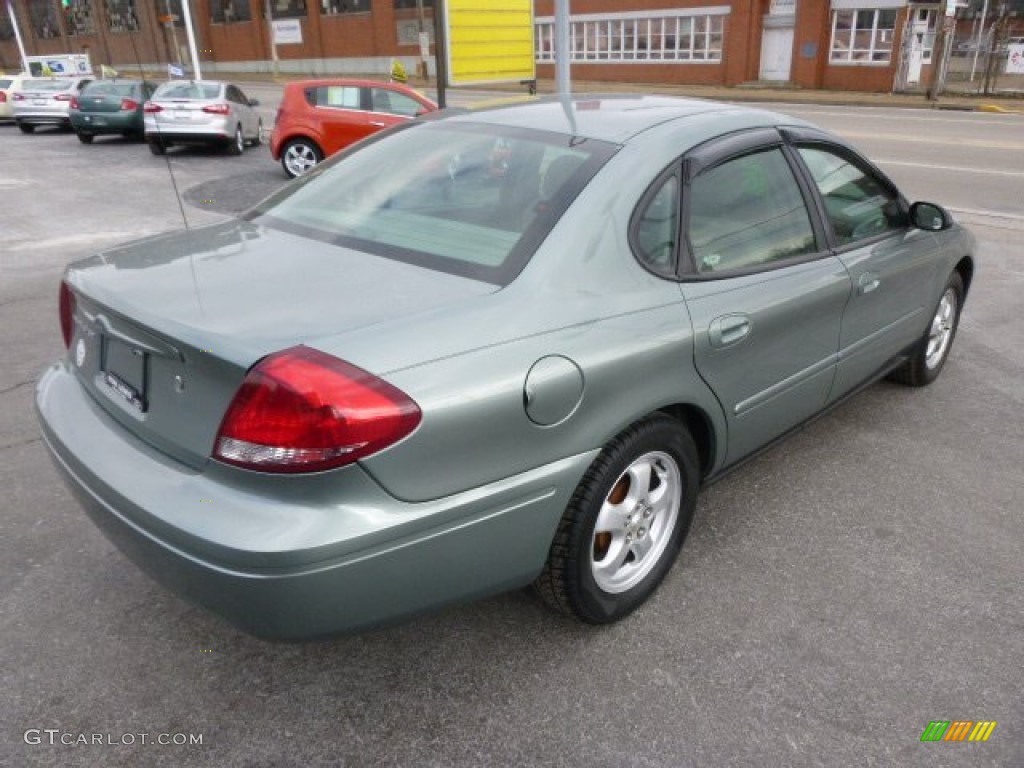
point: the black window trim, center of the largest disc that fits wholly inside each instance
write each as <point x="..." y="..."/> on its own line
<point x="722" y="149"/>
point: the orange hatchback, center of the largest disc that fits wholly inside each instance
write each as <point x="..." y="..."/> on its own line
<point x="320" y="117"/>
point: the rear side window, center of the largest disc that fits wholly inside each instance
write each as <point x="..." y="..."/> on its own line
<point x="746" y="213"/>
<point x="5" y="83"/>
<point x="47" y="85"/>
<point x="339" y="96"/>
<point x="656" y="227"/>
<point x="858" y="204"/>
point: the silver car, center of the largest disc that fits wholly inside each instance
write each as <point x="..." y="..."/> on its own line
<point x="487" y="349"/>
<point x="201" y="112"/>
<point x="46" y="101"/>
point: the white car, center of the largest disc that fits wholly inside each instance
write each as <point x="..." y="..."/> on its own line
<point x="201" y="112"/>
<point x="46" y="101"/>
<point x="9" y="85"/>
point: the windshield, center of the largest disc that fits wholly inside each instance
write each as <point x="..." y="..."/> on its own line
<point x="185" y="90"/>
<point x="474" y="200"/>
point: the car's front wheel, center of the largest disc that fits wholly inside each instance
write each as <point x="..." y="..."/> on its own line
<point x="156" y="146"/>
<point x="85" y="138"/>
<point x="930" y="353"/>
<point x="26" y="128"/>
<point x="623" y="528"/>
<point x="258" y="139"/>
<point x="299" y="157"/>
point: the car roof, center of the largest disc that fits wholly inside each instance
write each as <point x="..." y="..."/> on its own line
<point x="614" y="118"/>
<point x="317" y="82"/>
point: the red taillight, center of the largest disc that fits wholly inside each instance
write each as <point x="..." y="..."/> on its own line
<point x="74" y="103"/>
<point x="301" y="410"/>
<point x="150" y="108"/>
<point x="128" y="105"/>
<point x="3" y="97"/>
<point x="66" y="302"/>
<point x="217" y="109"/>
<point x="63" y="97"/>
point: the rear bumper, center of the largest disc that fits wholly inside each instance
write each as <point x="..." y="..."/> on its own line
<point x="298" y="557"/>
<point x="42" y="118"/>
<point x="106" y="123"/>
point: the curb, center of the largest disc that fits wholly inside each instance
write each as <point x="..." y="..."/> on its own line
<point x="998" y="109"/>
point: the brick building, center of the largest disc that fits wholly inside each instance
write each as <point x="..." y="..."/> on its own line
<point x="865" y="45"/>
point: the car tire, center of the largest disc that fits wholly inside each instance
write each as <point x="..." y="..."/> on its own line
<point x="300" y="156"/>
<point x="86" y="138"/>
<point x="259" y="134"/>
<point x="931" y="352"/>
<point x="156" y="146"/>
<point x="26" y="128"/>
<point x="617" y="539"/>
<point x="237" y="145"/>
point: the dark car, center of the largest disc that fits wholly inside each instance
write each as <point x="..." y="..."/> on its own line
<point x="110" y="107"/>
<point x="320" y="117"/>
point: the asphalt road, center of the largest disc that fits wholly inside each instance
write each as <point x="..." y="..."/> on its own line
<point x="834" y="597"/>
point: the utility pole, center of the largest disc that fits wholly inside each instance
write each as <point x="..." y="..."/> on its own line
<point x="440" y="54"/>
<point x="269" y="13"/>
<point x="17" y="36"/>
<point x="562" y="76"/>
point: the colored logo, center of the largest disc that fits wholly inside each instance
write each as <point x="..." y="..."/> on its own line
<point x="958" y="730"/>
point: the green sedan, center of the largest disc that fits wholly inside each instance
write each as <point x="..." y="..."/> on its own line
<point x="486" y="350"/>
<point x="110" y="107"/>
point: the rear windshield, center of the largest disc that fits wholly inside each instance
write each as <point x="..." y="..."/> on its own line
<point x="473" y="200"/>
<point x="47" y="85"/>
<point x="187" y="91"/>
<point x="109" y="89"/>
<point x="5" y="83"/>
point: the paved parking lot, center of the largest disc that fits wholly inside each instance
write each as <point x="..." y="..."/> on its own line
<point x="835" y="595"/>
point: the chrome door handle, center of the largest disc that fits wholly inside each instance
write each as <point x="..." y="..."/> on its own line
<point x="868" y="282"/>
<point x="729" y="329"/>
<point x="377" y="124"/>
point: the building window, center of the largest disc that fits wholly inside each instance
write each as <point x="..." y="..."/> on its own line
<point x="863" y="37"/>
<point x="288" y="9"/>
<point x="78" y="17"/>
<point x="169" y="12"/>
<point x="336" y="7"/>
<point x="403" y="4"/>
<point x="681" y="36"/>
<point x="6" y="30"/>
<point x="121" y="16"/>
<point x="230" y="11"/>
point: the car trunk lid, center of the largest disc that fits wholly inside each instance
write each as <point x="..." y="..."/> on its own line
<point x="166" y="329"/>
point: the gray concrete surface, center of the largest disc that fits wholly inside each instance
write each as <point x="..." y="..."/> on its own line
<point x="835" y="595"/>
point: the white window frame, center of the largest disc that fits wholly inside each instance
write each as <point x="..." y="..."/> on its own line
<point x="877" y="53"/>
<point x="680" y="36"/>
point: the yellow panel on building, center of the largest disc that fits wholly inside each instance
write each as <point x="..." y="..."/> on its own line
<point x="489" y="41"/>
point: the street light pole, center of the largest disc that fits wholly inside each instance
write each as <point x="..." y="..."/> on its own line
<point x="562" y="78"/>
<point x="268" y="12"/>
<point x="17" y="36"/>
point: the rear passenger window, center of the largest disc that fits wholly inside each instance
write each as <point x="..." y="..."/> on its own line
<point x="859" y="205"/>
<point x="747" y="213"/>
<point x="339" y="96"/>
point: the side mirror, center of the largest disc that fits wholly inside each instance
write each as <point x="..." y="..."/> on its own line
<point x="930" y="217"/>
<point x="254" y="102"/>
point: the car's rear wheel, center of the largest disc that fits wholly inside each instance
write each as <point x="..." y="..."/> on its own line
<point x="300" y="156"/>
<point x="625" y="523"/>
<point x="86" y="138"/>
<point x="237" y="145"/>
<point x="259" y="134"/>
<point x="930" y="353"/>
<point x="26" y="128"/>
<point x="156" y="146"/>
